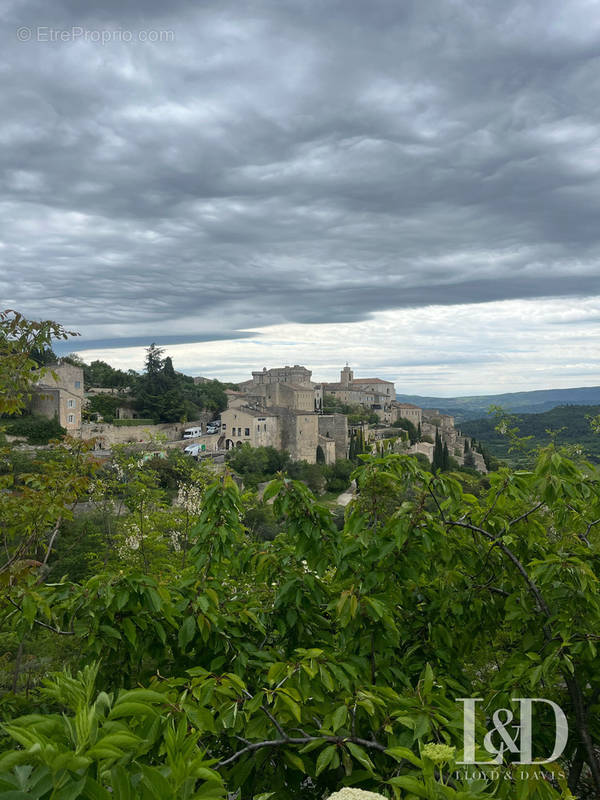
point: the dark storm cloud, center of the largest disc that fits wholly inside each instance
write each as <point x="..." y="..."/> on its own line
<point x="273" y="162"/>
<point x="68" y="346"/>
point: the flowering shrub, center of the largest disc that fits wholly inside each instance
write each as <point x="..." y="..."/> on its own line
<point x="355" y="794"/>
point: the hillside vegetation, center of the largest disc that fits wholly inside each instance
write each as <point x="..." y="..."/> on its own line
<point x="566" y="425"/>
<point x="473" y="407"/>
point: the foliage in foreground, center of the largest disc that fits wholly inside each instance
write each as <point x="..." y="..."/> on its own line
<point x="325" y="657"/>
<point x="208" y="663"/>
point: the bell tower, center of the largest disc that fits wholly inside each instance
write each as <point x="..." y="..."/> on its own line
<point x="346" y="376"/>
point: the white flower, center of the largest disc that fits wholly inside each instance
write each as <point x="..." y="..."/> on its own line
<point x="438" y="753"/>
<point x="189" y="498"/>
<point x="355" y="794"/>
<point x="132" y="542"/>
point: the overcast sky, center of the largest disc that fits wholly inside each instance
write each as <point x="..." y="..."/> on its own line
<point x="412" y="187"/>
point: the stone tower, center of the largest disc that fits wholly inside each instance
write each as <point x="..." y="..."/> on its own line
<point x="346" y="376"/>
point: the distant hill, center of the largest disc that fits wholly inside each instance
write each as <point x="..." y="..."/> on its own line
<point x="463" y="408"/>
<point x="573" y="419"/>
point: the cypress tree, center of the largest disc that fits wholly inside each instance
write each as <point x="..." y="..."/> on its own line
<point x="445" y="458"/>
<point x="438" y="453"/>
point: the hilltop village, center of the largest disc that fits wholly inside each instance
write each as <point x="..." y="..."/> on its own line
<point x="283" y="408"/>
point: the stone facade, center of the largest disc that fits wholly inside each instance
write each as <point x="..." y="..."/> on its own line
<point x="281" y="428"/>
<point x="375" y="394"/>
<point x="328" y="449"/>
<point x="296" y="374"/>
<point x="107" y="435"/>
<point x="407" y="411"/>
<point x="299" y="434"/>
<point x="285" y="395"/>
<point x="59" y="393"/>
<point x="335" y="426"/>
<point x="276" y="408"/>
<point x="244" y="425"/>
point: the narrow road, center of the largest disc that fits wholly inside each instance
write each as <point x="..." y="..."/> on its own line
<point x="346" y="496"/>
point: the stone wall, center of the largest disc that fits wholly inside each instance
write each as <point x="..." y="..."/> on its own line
<point x="249" y="426"/>
<point x="407" y="411"/>
<point x="108" y="435"/>
<point x="335" y="426"/>
<point x="422" y="447"/>
<point x="59" y="392"/>
<point x="328" y="448"/>
<point x="299" y="435"/>
<point x="295" y="374"/>
<point x="284" y="395"/>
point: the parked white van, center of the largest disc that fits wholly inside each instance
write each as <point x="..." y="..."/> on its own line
<point x="190" y="433"/>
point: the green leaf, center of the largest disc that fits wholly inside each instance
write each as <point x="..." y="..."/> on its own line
<point x="110" y="631"/>
<point x="427" y="681"/>
<point x="339" y="717"/>
<point x="70" y="792"/>
<point x="360" y="755"/>
<point x="130" y="631"/>
<point x="411" y="785"/>
<point x="293" y="706"/>
<point x="324" y="758"/>
<point x="294" y="760"/>
<point x="403" y="753"/>
<point x="187" y="631"/>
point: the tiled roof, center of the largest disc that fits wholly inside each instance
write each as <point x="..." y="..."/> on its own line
<point x="252" y="412"/>
<point x="369" y="380"/>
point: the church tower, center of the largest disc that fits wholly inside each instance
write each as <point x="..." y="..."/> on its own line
<point x="346" y="376"/>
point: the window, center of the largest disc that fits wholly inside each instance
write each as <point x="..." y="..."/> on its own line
<point x="246" y="431"/>
<point x="70" y="403"/>
<point x="78" y="384"/>
<point x="71" y="418"/>
<point x="223" y="426"/>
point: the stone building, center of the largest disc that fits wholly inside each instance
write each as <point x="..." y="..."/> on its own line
<point x="277" y="407"/>
<point x="296" y="374"/>
<point x="335" y="426"/>
<point x="59" y="393"/>
<point x="407" y="411"/>
<point x="299" y="397"/>
<point x="374" y="394"/>
<point x="282" y="428"/>
<point x="244" y="425"/>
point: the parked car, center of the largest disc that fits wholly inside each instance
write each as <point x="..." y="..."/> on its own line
<point x="191" y="433"/>
<point x="195" y="450"/>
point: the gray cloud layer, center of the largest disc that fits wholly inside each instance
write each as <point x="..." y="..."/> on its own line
<point x="296" y="161"/>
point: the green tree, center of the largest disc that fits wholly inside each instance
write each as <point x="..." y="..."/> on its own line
<point x="23" y="344"/>
<point x="414" y="434"/>
<point x="102" y="375"/>
<point x="159" y="392"/>
<point x="445" y="458"/>
<point x="438" y="453"/>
